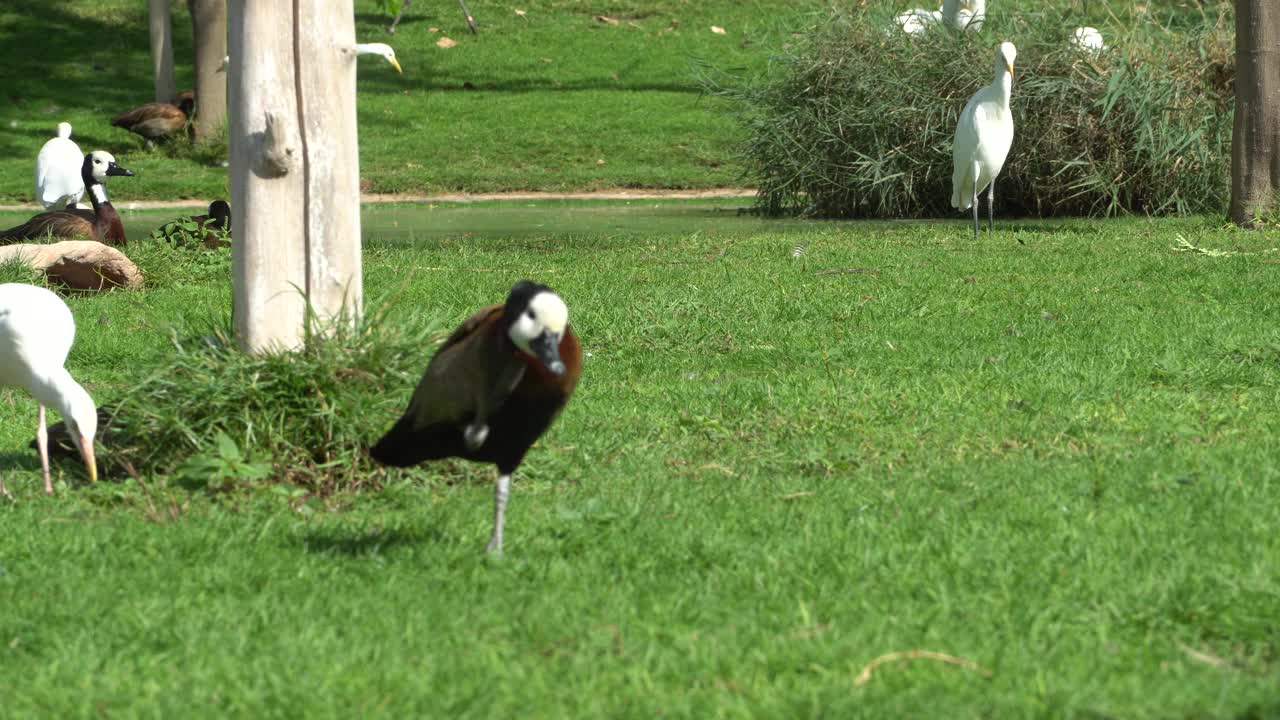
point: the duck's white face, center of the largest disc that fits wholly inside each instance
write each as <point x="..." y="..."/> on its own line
<point x="102" y="160"/>
<point x="538" y="330"/>
<point x="103" y="165"/>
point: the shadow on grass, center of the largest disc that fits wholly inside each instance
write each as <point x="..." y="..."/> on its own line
<point x="12" y="460"/>
<point x="106" y="65"/>
<point x="358" y="542"/>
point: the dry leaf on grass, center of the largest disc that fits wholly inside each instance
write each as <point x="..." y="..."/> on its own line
<point x="606" y="19"/>
<point x="433" y="30"/>
<point x="521" y="13"/>
<point x="717" y="30"/>
<point x="445" y="43"/>
<point x="865" y="675"/>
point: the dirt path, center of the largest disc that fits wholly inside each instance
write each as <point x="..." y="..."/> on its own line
<point x="380" y="198"/>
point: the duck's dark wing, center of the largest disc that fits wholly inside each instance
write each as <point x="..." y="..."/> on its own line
<point x="153" y="120"/>
<point x="470" y="375"/>
<point x="61" y="223"/>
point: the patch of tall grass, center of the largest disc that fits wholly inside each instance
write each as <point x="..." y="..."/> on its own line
<point x="856" y="119"/>
<point x="214" y="415"/>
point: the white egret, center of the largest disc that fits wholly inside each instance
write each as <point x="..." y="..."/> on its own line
<point x="58" y="181"/>
<point x="957" y="14"/>
<point x="36" y="333"/>
<point x="915" y="22"/>
<point x="964" y="14"/>
<point x="1088" y="39"/>
<point x="382" y="50"/>
<point x="983" y="137"/>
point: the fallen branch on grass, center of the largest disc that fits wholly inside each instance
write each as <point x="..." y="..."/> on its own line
<point x="849" y="271"/>
<point x="865" y="675"/>
<point x="1185" y="245"/>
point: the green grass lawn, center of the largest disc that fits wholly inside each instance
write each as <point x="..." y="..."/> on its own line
<point x="549" y="100"/>
<point x="1051" y="453"/>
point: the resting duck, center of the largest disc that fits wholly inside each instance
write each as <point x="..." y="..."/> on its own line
<point x="213" y="227"/>
<point x="102" y="223"/>
<point x="157" y="121"/>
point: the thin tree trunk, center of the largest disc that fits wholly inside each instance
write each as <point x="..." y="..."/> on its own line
<point x="209" y="27"/>
<point x="162" y="51"/>
<point x="294" y="169"/>
<point x="1255" y="140"/>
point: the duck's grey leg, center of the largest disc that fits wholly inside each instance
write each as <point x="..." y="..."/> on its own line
<point x="501" y="491"/>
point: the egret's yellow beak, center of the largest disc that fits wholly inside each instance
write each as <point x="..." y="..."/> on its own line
<point x="1010" y="66"/>
<point x="395" y="65"/>
<point x="90" y="464"/>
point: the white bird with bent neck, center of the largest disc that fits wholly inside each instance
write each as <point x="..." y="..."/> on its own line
<point x="36" y="333"/>
<point x="983" y="137"/>
<point x="382" y="50"/>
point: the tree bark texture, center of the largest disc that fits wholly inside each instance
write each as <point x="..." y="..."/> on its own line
<point x="295" y="176"/>
<point x="1255" y="139"/>
<point x="162" y="51"/>
<point x="209" y="28"/>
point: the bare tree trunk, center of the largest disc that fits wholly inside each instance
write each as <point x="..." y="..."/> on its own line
<point x="209" y="27"/>
<point x="1255" y="140"/>
<point x="162" y="51"/>
<point x="295" y="176"/>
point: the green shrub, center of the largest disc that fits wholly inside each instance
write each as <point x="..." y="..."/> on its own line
<point x="856" y="119"/>
<point x="213" y="416"/>
<point x="166" y="262"/>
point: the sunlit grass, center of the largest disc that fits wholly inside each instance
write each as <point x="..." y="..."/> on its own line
<point x="552" y="99"/>
<point x="1050" y="453"/>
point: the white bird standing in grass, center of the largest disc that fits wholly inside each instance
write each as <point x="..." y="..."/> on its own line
<point x="983" y="137"/>
<point x="958" y="14"/>
<point x="36" y="333"/>
<point x="917" y="21"/>
<point x="1088" y="39"/>
<point x="58" y="181"/>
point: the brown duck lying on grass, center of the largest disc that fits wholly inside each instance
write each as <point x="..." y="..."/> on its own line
<point x="213" y="228"/>
<point x="157" y="121"/>
<point x="102" y="223"/>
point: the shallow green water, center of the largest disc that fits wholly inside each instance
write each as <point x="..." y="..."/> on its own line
<point x="410" y="222"/>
